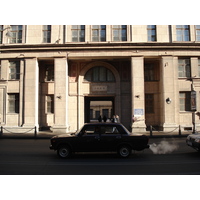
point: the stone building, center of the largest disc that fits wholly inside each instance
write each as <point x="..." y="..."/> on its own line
<point x="59" y="77"/>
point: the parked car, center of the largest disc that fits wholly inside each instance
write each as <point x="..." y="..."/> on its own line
<point x="193" y="140"/>
<point x="99" y="137"/>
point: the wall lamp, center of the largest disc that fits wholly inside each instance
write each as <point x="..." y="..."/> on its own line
<point x="168" y="100"/>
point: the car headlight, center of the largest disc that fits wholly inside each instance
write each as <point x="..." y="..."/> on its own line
<point x="188" y="137"/>
<point x="197" y="140"/>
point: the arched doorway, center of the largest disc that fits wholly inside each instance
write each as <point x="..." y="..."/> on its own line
<point x="98" y="92"/>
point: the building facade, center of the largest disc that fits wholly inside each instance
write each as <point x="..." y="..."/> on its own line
<point x="59" y="77"/>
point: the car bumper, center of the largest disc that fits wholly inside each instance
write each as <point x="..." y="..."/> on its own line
<point x="193" y="144"/>
<point x="51" y="147"/>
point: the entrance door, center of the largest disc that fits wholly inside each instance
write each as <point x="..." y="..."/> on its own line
<point x="98" y="106"/>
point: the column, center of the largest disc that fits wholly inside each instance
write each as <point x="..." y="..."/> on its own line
<point x="60" y="96"/>
<point x="30" y="98"/>
<point x="137" y="92"/>
<point x="169" y="93"/>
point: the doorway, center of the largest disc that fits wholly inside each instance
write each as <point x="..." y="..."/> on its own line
<point x="98" y="106"/>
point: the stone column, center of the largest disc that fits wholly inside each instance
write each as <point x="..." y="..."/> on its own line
<point x="137" y="92"/>
<point x="31" y="86"/>
<point x="168" y="90"/>
<point x="60" y="96"/>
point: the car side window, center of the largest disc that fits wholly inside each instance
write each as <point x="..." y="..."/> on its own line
<point x="91" y="130"/>
<point x="109" y="130"/>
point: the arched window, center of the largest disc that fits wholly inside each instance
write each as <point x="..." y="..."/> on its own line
<point x="99" y="74"/>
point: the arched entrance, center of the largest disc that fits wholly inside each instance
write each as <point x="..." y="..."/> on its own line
<point x="98" y="92"/>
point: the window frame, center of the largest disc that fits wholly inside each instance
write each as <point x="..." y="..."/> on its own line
<point x="49" y="73"/>
<point x="182" y="33"/>
<point x="99" y="74"/>
<point x="150" y="36"/>
<point x="1" y="34"/>
<point x="186" y="68"/>
<point x="99" y="30"/>
<point x="13" y="103"/>
<point x="16" y="34"/>
<point x="15" y="66"/>
<point x="50" y="104"/>
<point x="46" y="32"/>
<point x="185" y="105"/>
<point x="197" y="33"/>
<point x="118" y="31"/>
<point x="79" y="32"/>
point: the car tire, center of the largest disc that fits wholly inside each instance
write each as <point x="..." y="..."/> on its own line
<point x="124" y="151"/>
<point x="64" y="151"/>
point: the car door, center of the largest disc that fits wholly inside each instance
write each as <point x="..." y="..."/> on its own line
<point x="89" y="141"/>
<point x="110" y="137"/>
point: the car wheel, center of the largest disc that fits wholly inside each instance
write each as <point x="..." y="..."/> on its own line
<point x="124" y="151"/>
<point x="64" y="151"/>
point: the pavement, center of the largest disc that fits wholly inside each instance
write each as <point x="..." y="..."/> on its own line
<point x="49" y="134"/>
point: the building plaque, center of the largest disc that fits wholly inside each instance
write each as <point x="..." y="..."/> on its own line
<point x="99" y="88"/>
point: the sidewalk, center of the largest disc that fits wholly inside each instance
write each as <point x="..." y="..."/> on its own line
<point x="49" y="134"/>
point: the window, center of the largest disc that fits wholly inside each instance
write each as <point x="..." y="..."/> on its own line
<point x="119" y="33"/>
<point x="185" y="101"/>
<point x="49" y="72"/>
<point x="13" y="103"/>
<point x="149" y="103"/>
<point x="99" y="74"/>
<point x="199" y="67"/>
<point x="78" y="33"/>
<point x="91" y="130"/>
<point x="16" y="34"/>
<point x="107" y="130"/>
<point x="151" y="32"/>
<point x="184" y="68"/>
<point x="150" y="72"/>
<point x="46" y="33"/>
<point x="1" y="34"/>
<point x="14" y="68"/>
<point x="98" y="33"/>
<point x="197" y="28"/>
<point x="50" y="103"/>
<point x="182" y="32"/>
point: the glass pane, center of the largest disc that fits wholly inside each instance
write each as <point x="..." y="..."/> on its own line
<point x="95" y="32"/>
<point x="102" y="72"/>
<point x="96" y="74"/>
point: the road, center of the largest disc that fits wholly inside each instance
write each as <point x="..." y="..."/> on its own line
<point x="33" y="157"/>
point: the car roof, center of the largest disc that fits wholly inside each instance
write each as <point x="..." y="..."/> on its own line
<point x="102" y="123"/>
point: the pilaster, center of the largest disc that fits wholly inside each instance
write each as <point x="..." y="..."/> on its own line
<point x="168" y="93"/>
<point x="30" y="98"/>
<point x="137" y="92"/>
<point x="61" y="95"/>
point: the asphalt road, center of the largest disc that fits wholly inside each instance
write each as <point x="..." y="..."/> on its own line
<point x="169" y="156"/>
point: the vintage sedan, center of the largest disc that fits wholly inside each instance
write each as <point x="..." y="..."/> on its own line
<point x="99" y="137"/>
<point x="193" y="140"/>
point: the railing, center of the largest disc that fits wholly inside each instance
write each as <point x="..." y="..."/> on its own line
<point x="9" y="130"/>
<point x="176" y="129"/>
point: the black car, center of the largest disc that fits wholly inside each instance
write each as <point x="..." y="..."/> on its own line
<point x="99" y="137"/>
<point x="193" y="140"/>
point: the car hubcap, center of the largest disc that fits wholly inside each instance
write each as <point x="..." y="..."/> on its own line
<point x="64" y="152"/>
<point x="124" y="152"/>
